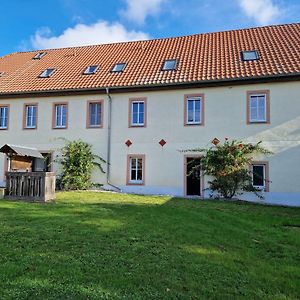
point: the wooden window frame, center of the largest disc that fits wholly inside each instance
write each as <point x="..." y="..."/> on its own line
<point x="25" y="116"/>
<point x="138" y="156"/>
<point x="88" y="114"/>
<point x="54" y="115"/>
<point x="202" y="114"/>
<point x="248" y="111"/>
<point x="8" y="116"/>
<point x="266" y="188"/>
<point x="131" y="101"/>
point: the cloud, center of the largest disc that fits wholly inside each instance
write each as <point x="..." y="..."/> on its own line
<point x="81" y="34"/>
<point x="138" y="10"/>
<point x="263" y="12"/>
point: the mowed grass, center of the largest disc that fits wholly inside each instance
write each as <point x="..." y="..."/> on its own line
<point x="111" y="246"/>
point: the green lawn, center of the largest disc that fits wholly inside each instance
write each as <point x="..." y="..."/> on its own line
<point x="112" y="246"/>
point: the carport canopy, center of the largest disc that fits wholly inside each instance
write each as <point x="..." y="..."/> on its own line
<point x="20" y="151"/>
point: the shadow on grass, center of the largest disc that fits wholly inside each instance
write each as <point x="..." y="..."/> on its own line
<point x="98" y="246"/>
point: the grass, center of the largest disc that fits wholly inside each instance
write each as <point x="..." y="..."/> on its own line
<point x="111" y="246"/>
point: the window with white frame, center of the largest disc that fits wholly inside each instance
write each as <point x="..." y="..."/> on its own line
<point x="30" y="116"/>
<point x="194" y="110"/>
<point x="138" y="113"/>
<point x="259" y="176"/>
<point x="47" y="73"/>
<point x="94" y="114"/>
<point x="258" y="108"/>
<point x="3" y="117"/>
<point x="136" y="170"/>
<point x="61" y="112"/>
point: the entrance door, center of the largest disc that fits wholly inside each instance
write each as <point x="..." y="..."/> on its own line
<point x="193" y="180"/>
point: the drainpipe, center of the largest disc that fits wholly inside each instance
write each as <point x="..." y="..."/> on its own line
<point x="109" y="140"/>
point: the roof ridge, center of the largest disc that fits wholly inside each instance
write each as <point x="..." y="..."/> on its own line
<point x="156" y="39"/>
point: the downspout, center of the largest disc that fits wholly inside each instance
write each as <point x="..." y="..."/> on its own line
<point x="109" y="140"/>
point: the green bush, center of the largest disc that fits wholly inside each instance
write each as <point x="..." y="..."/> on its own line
<point x="228" y="164"/>
<point x="77" y="163"/>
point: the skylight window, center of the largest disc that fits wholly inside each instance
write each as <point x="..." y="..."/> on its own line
<point x="2" y="74"/>
<point x="39" y="55"/>
<point x="119" y="67"/>
<point x="249" y="55"/>
<point x="90" y="70"/>
<point x="169" y="65"/>
<point x="47" y="73"/>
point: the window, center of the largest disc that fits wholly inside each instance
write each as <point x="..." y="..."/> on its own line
<point x="39" y="55"/>
<point x="90" y="70"/>
<point x="136" y="169"/>
<point x="4" y="111"/>
<point x="60" y="119"/>
<point x="119" y="67"/>
<point x="169" y="65"/>
<point x="258" y="107"/>
<point x="194" y="109"/>
<point x="249" y="55"/>
<point x="94" y="115"/>
<point x="47" y="73"/>
<point x="30" y="117"/>
<point x="2" y="74"/>
<point x="137" y="113"/>
<point x="260" y="176"/>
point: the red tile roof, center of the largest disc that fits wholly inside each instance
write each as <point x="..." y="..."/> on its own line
<point x="201" y="58"/>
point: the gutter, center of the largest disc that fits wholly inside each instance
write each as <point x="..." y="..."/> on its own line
<point x="109" y="140"/>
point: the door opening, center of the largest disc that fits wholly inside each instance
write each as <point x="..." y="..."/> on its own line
<point x="193" y="179"/>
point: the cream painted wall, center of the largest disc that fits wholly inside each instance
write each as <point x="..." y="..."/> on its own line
<point x="225" y="116"/>
<point x="46" y="138"/>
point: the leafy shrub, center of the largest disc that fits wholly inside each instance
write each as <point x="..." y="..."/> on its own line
<point x="228" y="163"/>
<point x="77" y="163"/>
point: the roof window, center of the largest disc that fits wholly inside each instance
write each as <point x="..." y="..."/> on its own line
<point x="91" y="70"/>
<point x="39" y="55"/>
<point x="119" y="67"/>
<point x="47" y="73"/>
<point x="169" y="65"/>
<point x="249" y="55"/>
<point x="2" y="74"/>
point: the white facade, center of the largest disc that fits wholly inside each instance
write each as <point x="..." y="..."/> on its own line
<point x="225" y="115"/>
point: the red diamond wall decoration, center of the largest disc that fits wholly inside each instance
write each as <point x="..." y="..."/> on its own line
<point x="162" y="142"/>
<point x="215" y="141"/>
<point x="128" y="143"/>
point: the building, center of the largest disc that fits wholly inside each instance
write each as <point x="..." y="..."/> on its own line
<point x="140" y="103"/>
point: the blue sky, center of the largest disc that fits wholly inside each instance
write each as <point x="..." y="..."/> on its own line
<point x="33" y="24"/>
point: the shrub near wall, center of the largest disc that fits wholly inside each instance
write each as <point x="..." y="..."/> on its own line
<point x="228" y="164"/>
<point x="77" y="163"/>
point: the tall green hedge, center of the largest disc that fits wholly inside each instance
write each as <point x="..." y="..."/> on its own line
<point x="77" y="163"/>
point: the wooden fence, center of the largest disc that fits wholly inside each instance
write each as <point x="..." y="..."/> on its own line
<point x="31" y="186"/>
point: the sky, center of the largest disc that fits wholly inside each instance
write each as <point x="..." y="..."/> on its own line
<point x="42" y="24"/>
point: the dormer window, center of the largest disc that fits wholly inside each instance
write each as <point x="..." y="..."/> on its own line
<point x="119" y="67"/>
<point x="47" y="73"/>
<point x="39" y="55"/>
<point x="91" y="70"/>
<point x="169" y="65"/>
<point x="249" y="55"/>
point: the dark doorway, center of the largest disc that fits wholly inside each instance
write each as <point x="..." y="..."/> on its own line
<point x="193" y="179"/>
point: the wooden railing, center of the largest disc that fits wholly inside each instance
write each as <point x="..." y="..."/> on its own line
<point x="31" y="186"/>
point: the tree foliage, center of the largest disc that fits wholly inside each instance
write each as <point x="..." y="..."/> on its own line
<point x="228" y="164"/>
<point x="77" y="163"/>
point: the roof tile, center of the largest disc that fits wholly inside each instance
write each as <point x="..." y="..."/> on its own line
<point x="202" y="57"/>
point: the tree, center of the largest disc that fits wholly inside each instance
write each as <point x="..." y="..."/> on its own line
<point x="77" y="163"/>
<point x="228" y="164"/>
